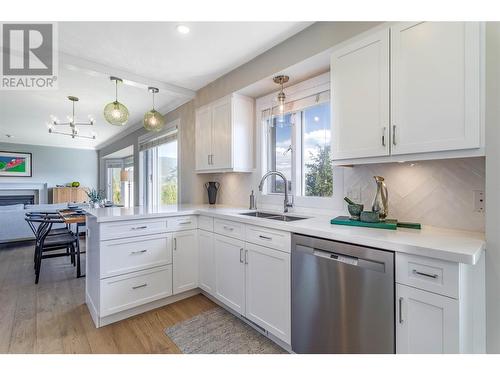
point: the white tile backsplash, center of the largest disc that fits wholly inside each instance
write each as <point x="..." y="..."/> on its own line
<point x="434" y="192"/>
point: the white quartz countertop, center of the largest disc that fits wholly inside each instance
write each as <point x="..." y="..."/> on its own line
<point x="451" y="245"/>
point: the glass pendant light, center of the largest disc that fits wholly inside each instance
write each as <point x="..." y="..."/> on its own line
<point x="115" y="112"/>
<point x="281" y="80"/>
<point x="153" y="120"/>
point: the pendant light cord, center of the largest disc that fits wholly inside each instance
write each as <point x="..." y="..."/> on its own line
<point x="153" y="100"/>
<point x="116" y="90"/>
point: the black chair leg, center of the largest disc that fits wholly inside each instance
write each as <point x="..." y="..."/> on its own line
<point x="38" y="264"/>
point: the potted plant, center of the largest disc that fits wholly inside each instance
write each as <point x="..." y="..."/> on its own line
<point x="95" y="196"/>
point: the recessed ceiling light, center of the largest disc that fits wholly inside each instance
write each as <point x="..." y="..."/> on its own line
<point x="182" y="29"/>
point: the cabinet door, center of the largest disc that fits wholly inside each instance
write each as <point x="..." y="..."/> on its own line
<point x="203" y="137"/>
<point x="206" y="261"/>
<point x="360" y="98"/>
<point x="230" y="272"/>
<point x="268" y="302"/>
<point x="427" y="323"/>
<point x="435" y="83"/>
<point x="185" y="261"/>
<point x="222" y="135"/>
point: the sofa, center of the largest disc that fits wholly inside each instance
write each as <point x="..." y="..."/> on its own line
<point x="13" y="227"/>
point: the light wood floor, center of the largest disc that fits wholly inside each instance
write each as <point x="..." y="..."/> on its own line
<point x="52" y="317"/>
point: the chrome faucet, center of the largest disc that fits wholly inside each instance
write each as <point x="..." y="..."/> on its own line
<point x="286" y="203"/>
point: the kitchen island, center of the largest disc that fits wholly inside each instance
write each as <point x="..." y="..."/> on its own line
<point x="140" y="259"/>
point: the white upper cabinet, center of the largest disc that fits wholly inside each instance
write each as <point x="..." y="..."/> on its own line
<point x="224" y="135"/>
<point x="433" y="103"/>
<point x="203" y="137"/>
<point x="360" y="104"/>
<point x="435" y="86"/>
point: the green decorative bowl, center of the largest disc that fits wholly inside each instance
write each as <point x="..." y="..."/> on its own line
<point x="75" y="184"/>
<point x="355" y="210"/>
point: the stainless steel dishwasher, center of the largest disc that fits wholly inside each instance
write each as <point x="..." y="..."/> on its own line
<point x="342" y="297"/>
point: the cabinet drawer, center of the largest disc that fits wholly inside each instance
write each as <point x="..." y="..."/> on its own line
<point x="135" y="254"/>
<point x="275" y="239"/>
<point x="181" y="223"/>
<point x="124" y="292"/>
<point x="229" y="228"/>
<point x="131" y="228"/>
<point x="429" y="274"/>
<point x="206" y="223"/>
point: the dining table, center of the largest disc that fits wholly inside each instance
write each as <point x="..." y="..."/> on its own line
<point x="75" y="217"/>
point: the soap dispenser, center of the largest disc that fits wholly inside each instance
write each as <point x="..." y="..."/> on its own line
<point x="253" y="206"/>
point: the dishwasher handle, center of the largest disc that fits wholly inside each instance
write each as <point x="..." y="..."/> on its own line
<point x="350" y="260"/>
<point x="337" y="257"/>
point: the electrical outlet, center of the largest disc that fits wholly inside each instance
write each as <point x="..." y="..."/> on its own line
<point x="479" y="200"/>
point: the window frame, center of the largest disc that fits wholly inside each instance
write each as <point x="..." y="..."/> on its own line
<point x="149" y="184"/>
<point x="310" y="87"/>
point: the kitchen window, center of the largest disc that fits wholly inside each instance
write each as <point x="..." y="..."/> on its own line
<point x="159" y="168"/>
<point x="298" y="144"/>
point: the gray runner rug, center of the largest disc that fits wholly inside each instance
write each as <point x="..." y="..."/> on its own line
<point x="218" y="332"/>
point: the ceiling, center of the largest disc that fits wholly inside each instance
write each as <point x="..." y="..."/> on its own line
<point x="144" y="54"/>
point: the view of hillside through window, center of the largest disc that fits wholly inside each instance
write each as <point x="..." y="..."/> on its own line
<point x="167" y="168"/>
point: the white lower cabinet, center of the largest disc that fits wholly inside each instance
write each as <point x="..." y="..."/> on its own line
<point x="268" y="289"/>
<point x="250" y="279"/>
<point x="206" y="253"/>
<point x="427" y="323"/>
<point x="230" y="272"/>
<point x="185" y="261"/>
<point x="440" y="306"/>
<point x="134" y="289"/>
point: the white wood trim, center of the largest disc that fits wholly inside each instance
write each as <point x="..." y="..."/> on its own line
<point x="300" y="90"/>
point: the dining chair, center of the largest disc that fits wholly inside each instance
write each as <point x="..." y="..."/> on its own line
<point x="45" y="243"/>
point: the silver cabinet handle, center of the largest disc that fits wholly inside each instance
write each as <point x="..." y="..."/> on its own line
<point x="228" y="228"/>
<point x="241" y="255"/>
<point x="139" y="251"/>
<point x="140" y="286"/>
<point x="185" y="223"/>
<point x="433" y="276"/>
<point x="175" y="243"/>
<point x="383" y="136"/>
<point x="246" y="256"/>
<point x="212" y="159"/>
<point x="401" y="310"/>
<point x="208" y="158"/>
<point x="394" y="135"/>
<point x="264" y="237"/>
<point x="137" y="228"/>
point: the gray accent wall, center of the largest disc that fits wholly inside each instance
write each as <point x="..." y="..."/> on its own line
<point x="56" y="165"/>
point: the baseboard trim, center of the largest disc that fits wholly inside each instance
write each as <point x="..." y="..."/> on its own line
<point x="105" y="320"/>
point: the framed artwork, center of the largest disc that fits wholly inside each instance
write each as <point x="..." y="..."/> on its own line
<point x="15" y="164"/>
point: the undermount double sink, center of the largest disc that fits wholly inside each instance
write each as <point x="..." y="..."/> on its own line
<point x="273" y="216"/>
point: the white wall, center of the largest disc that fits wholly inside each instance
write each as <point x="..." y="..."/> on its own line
<point x="56" y="165"/>
<point x="493" y="187"/>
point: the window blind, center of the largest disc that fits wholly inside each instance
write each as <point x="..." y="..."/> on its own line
<point x="169" y="136"/>
<point x="299" y="104"/>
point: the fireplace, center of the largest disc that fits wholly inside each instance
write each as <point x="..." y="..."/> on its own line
<point x="7" y="200"/>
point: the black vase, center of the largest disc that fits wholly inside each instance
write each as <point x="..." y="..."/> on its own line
<point x="212" y="188"/>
